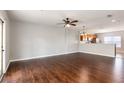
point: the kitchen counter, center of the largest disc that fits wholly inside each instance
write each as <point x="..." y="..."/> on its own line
<point x="98" y="49"/>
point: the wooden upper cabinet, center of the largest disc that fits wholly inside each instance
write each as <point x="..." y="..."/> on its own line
<point x="94" y="36"/>
<point x="91" y="37"/>
<point x="81" y="37"/>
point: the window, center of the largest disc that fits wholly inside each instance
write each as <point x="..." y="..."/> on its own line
<point x="113" y="40"/>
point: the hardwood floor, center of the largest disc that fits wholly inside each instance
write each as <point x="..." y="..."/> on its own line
<point x="69" y="68"/>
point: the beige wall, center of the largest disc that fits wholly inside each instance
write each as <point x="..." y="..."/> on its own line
<point x="117" y="33"/>
<point x="30" y="40"/>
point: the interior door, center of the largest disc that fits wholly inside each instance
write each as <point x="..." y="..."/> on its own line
<point x="1" y="45"/>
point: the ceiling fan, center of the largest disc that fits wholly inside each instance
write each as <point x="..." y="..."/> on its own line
<point x="68" y="22"/>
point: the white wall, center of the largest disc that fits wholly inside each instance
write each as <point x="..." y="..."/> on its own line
<point x="4" y="17"/>
<point x="116" y="33"/>
<point x="30" y="40"/>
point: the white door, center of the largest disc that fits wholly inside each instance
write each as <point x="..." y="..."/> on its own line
<point x="1" y="45"/>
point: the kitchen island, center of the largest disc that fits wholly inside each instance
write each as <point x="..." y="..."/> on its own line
<point x="98" y="49"/>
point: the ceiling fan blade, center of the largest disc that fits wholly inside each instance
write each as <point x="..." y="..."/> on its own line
<point x="73" y="24"/>
<point x="64" y="20"/>
<point x="74" y="21"/>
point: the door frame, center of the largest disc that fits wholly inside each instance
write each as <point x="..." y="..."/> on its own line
<point x="2" y="47"/>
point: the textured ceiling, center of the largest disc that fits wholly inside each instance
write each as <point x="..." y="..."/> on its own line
<point x="94" y="20"/>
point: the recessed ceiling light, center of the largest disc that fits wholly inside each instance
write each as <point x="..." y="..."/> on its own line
<point x="113" y="20"/>
<point x="109" y="15"/>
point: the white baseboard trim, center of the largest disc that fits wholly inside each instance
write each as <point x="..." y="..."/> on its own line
<point x="1" y="77"/>
<point x="5" y="71"/>
<point x="7" y="67"/>
<point x="96" y="54"/>
<point x="41" y="56"/>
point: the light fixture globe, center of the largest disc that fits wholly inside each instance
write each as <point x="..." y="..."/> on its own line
<point x="67" y="25"/>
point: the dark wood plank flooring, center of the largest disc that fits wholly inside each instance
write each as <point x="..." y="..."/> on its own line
<point x="69" y="68"/>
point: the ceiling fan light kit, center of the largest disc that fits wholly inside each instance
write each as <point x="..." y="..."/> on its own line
<point x="69" y="23"/>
